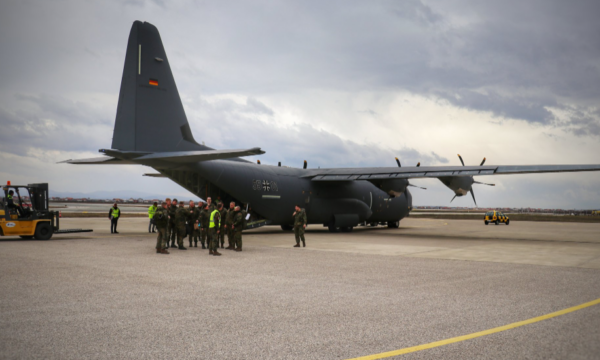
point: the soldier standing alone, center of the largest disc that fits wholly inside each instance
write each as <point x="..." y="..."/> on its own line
<point x="214" y="226"/>
<point x="180" y="218"/>
<point x="161" y="220"/>
<point x="238" y="224"/>
<point x="299" y="225"/>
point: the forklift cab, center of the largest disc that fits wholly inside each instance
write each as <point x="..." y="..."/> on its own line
<point x="25" y="212"/>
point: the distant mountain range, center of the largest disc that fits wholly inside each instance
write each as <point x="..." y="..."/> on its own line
<point x="121" y="194"/>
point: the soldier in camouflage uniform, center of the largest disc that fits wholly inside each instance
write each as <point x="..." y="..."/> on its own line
<point x="180" y="218"/>
<point x="223" y="217"/>
<point x="228" y="225"/>
<point x="204" y="219"/>
<point x="161" y="220"/>
<point x="213" y="232"/>
<point x="299" y="225"/>
<point x="172" y="229"/>
<point x="193" y="215"/>
<point x="238" y="224"/>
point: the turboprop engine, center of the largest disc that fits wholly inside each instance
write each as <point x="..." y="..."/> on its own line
<point x="394" y="187"/>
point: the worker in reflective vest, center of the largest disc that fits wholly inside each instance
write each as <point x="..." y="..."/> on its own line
<point x="11" y="203"/>
<point x="114" y="214"/>
<point x="151" y="212"/>
<point x="213" y="231"/>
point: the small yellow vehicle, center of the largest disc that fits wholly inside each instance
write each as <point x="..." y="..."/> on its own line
<point x="495" y="217"/>
<point x="24" y="212"/>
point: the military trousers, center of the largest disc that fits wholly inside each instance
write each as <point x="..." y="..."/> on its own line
<point x="204" y="236"/>
<point x="230" y="239"/>
<point x="181" y="233"/>
<point x="237" y="237"/>
<point x="171" y="233"/>
<point x="160" y="238"/>
<point x="222" y="236"/>
<point x="299" y="233"/>
<point x="214" y="239"/>
<point x="194" y="236"/>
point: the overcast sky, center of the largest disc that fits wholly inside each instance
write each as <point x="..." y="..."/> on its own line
<point x="338" y="83"/>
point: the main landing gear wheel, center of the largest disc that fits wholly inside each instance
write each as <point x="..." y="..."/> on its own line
<point x="287" y="227"/>
<point x="507" y="221"/>
<point x="43" y="231"/>
<point x="393" y="224"/>
<point x="486" y="222"/>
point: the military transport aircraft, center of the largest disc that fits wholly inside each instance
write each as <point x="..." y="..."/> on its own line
<point x="151" y="129"/>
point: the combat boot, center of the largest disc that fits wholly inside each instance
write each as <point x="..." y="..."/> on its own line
<point x="210" y="252"/>
<point x="173" y="244"/>
<point x="204" y="247"/>
<point x="216" y="253"/>
<point x="238" y="249"/>
<point x="297" y="245"/>
<point x="164" y="251"/>
<point x="182" y="248"/>
<point x="195" y="244"/>
<point x="158" y="250"/>
<point x="303" y="243"/>
<point x="190" y="244"/>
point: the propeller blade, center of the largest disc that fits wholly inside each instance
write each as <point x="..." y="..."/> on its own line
<point x="419" y="164"/>
<point x="398" y="162"/>
<point x="453" y="198"/>
<point x="482" y="162"/>
<point x="473" y="195"/>
<point x="461" y="160"/>
<point x="477" y="182"/>
<point x="417" y="186"/>
<point x="305" y="164"/>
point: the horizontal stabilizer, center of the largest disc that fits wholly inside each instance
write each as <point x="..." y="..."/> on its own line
<point x="104" y="160"/>
<point x="195" y="156"/>
<point x="157" y="175"/>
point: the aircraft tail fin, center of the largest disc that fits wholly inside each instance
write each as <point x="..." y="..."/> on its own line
<point x="150" y="115"/>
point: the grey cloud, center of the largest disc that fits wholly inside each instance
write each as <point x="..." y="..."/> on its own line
<point x="238" y="127"/>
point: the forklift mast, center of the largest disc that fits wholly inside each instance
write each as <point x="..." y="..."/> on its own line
<point x="38" y="194"/>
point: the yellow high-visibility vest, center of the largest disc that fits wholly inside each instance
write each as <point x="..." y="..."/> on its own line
<point x="151" y="211"/>
<point x="212" y="218"/>
<point x="115" y="213"/>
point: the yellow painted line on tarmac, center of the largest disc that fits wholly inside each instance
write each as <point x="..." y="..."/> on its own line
<point x="477" y="334"/>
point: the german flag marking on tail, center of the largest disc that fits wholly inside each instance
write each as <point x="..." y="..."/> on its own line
<point x="153" y="82"/>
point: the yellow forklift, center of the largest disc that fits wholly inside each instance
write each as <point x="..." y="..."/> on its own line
<point x="29" y="220"/>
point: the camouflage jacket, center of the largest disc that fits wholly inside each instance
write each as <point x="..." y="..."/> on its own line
<point x="181" y="216"/>
<point x="229" y="217"/>
<point x="193" y="215"/>
<point x="300" y="218"/>
<point x="204" y="218"/>
<point x="238" y="221"/>
<point x="223" y="219"/>
<point x="172" y="210"/>
<point x="161" y="217"/>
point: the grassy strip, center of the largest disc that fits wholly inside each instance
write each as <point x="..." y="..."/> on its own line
<point x="514" y="217"/>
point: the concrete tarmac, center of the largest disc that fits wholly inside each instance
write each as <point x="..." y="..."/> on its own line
<point x="97" y="295"/>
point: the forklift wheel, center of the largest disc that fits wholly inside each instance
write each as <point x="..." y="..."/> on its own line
<point x="43" y="231"/>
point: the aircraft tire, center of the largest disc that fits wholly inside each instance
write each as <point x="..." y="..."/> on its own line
<point x="333" y="228"/>
<point x="507" y="222"/>
<point x="287" y="227"/>
<point x="393" y="224"/>
<point x="486" y="222"/>
<point x="43" y="231"/>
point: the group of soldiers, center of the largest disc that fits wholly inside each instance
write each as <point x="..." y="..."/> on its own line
<point x="206" y="223"/>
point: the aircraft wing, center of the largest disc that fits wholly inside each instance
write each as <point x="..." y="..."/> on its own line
<point x="195" y="156"/>
<point x="108" y="160"/>
<point x="382" y="173"/>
